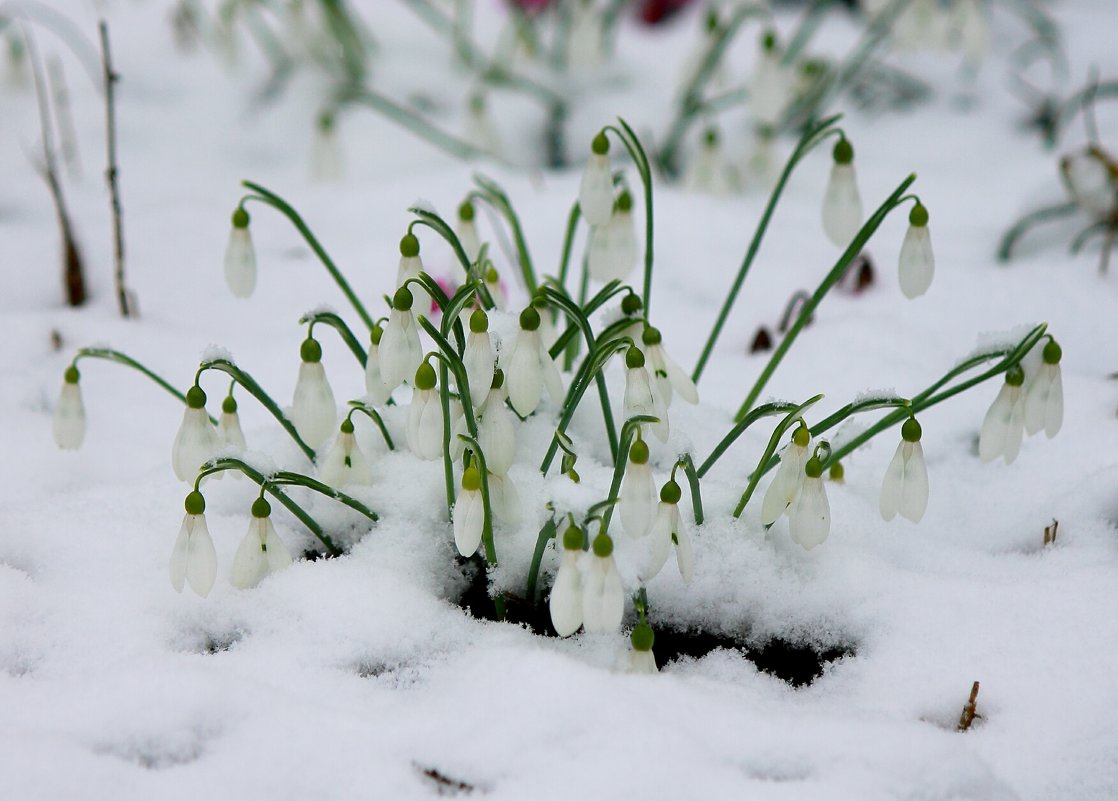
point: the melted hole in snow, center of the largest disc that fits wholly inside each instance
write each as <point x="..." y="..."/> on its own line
<point x="444" y="785"/>
<point x="393" y="675"/>
<point x="159" y="753"/>
<point x="199" y="641"/>
<point x="797" y="663"/>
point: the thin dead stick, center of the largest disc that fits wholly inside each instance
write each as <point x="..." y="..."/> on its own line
<point x="1050" y="532"/>
<point x="63" y="117"/>
<point x="970" y="711"/>
<point x="73" y="277"/>
<point x="125" y="299"/>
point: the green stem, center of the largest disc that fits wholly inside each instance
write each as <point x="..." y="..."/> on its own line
<point x="108" y="354"/>
<point x="547" y="533"/>
<point x="770" y="449"/>
<point x="604" y="294"/>
<point x="254" y="389"/>
<point x="832" y="278"/>
<point x="487" y="517"/>
<point x="808" y="142"/>
<point x="1021" y="227"/>
<point x="493" y="194"/>
<point x="688" y="466"/>
<point x="270" y="198"/>
<point x="568" y="243"/>
<point x="374" y="415"/>
<point x="765" y="410"/>
<point x="338" y="324"/>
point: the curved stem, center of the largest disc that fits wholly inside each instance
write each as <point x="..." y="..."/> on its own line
<point x="808" y="142"/>
<point x="547" y="533"/>
<point x="688" y="466"/>
<point x="766" y="410"/>
<point x="770" y="449"/>
<point x="108" y="354"/>
<point x="1020" y="228"/>
<point x="289" y="478"/>
<point x="832" y="278"/>
<point x="495" y="196"/>
<point x="568" y="243"/>
<point x="604" y="294"/>
<point x="254" y="389"/>
<point x="373" y="415"/>
<point x="270" y="198"/>
<point x="338" y="324"/>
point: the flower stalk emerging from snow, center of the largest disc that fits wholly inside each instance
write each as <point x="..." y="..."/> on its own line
<point x="917" y="264"/>
<point x="69" y="413"/>
<point x="641" y="659"/>
<point x="194" y="558"/>
<point x="261" y="552"/>
<point x="842" y="204"/>
<point x="196" y="440"/>
<point x="240" y="257"/>
<point x="905" y="488"/>
<point x="313" y="409"/>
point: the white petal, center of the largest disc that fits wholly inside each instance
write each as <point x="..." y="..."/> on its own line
<point x="842" y="206"/>
<point x="809" y="520"/>
<point x="496" y="432"/>
<point x="478" y="360"/>
<point x="359" y="471"/>
<point x="468" y="237"/>
<point x="680" y="381"/>
<point x="1015" y="430"/>
<point x="201" y="558"/>
<point x="379" y="391"/>
<point x="179" y="552"/>
<point x="995" y="426"/>
<point x="419" y="400"/>
<point x="642" y="662"/>
<point x="69" y="417"/>
<point x="595" y="194"/>
<point x="892" y="485"/>
<point x="279" y="557"/>
<point x="195" y="444"/>
<point x="326" y="156"/>
<point x="430" y="434"/>
<point x="250" y="564"/>
<point x="603" y="600"/>
<point x="524" y="377"/>
<point x="598" y="253"/>
<point x="410" y="267"/>
<point x="550" y="372"/>
<point x="639" y="400"/>
<point x="1054" y="410"/>
<point x="230" y="433"/>
<point x="914" y="499"/>
<point x="684" y="558"/>
<point x="313" y="409"/>
<point x="637" y="499"/>
<point x="505" y="499"/>
<point x="1044" y="401"/>
<point x="399" y="349"/>
<point x="565" y="602"/>
<point x="660" y="542"/>
<point x="917" y="264"/>
<point x="622" y="245"/>
<point x="240" y="263"/>
<point x="469" y="519"/>
<point x="786" y="485"/>
<point x="769" y="89"/>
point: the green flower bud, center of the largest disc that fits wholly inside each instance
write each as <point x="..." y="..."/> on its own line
<point x="229" y="405"/>
<point x="600" y="144"/>
<point x="466" y="211"/>
<point x="634" y="358"/>
<point x="768" y="41"/>
<point x="471" y="479"/>
<point x="479" y="321"/>
<point x="573" y="538"/>
<point x="261" y="508"/>
<point x="1015" y="376"/>
<point x="1051" y="355"/>
<point x="195" y="503"/>
<point x="425" y="376"/>
<point x="498" y="379"/>
<point x="326" y="121"/>
<point x="642" y="637"/>
<point x="651" y="336"/>
<point x="638" y="452"/>
<point x="603" y="545"/>
<point x="346" y="426"/>
<point x="409" y="245"/>
<point x="837" y="472"/>
<point x="813" y="468"/>
<point x="910" y="431"/>
<point x="843" y="152"/>
<point x="310" y="350"/>
<point x="240" y="218"/>
<point x="918" y="216"/>
<point x="491" y="276"/>
<point x="529" y="319"/>
<point x="71" y="376"/>
<point x="376" y="334"/>
<point x="631" y="304"/>
<point x="625" y="201"/>
<point x="710" y="137"/>
<point x="670" y="492"/>
<point x="403" y="299"/>
<point x="802" y="436"/>
<point x="196" y="397"/>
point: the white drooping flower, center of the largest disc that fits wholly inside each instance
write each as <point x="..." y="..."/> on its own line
<point x="469" y="513"/>
<point x="314" y="412"/>
<point x="479" y="130"/>
<point x="1004" y="426"/>
<point x="611" y="252"/>
<point x="595" y="193"/>
<point x="196" y="441"/>
<point x="504" y="499"/>
<point x="408" y="269"/>
<point x="345" y="462"/>
<point x="425" y="416"/>
<point x="639" y="397"/>
<point x="565" y="602"/>
<point x="809" y="517"/>
<point x="400" y="352"/>
<point x="668" y="529"/>
<point x="379" y="392"/>
<point x="905" y="487"/>
<point x="194" y="558"/>
<point x="585" y="38"/>
<point x="467" y="231"/>
<point x="789" y="477"/>
<point x="769" y="90"/>
<point x="261" y="552"/>
<point x="718" y="77"/>
<point x="240" y="257"/>
<point x="1044" y="399"/>
<point x="326" y="155"/>
<point x="641" y="658"/>
<point x="478" y="358"/>
<point x="68" y="424"/>
<point x="496" y="429"/>
<point x="494" y="286"/>
<point x="842" y="204"/>
<point x="229" y="431"/>
<point x="917" y="264"/>
<point x="636" y="503"/>
<point x="668" y="378"/>
<point x="603" y="599"/>
<point x="708" y="173"/>
<point x="528" y="367"/>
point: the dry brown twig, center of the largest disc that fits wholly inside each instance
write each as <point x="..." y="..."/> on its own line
<point x="1050" y="532"/>
<point x="125" y="299"/>
<point x="970" y="711"/>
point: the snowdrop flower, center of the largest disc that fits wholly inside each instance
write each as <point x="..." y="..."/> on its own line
<point x="905" y="488"/>
<point x="637" y="500"/>
<point x="400" y="352"/>
<point x="974" y="36"/>
<point x="379" y="392"/>
<point x="667" y="529"/>
<point x="612" y="250"/>
<point x="240" y="257"/>
<point x="641" y="659"/>
<point x="409" y="268"/>
<point x="708" y="172"/>
<point x="467" y="231"/>
<point x="313" y="410"/>
<point x="917" y="264"/>
<point x="565" y="602"/>
<point x="584" y="41"/>
<point x="496" y="288"/>
<point x="469" y="513"/>
<point x="478" y="357"/>
<point x="1044" y="400"/>
<point x="668" y="378"/>
<point x="769" y="89"/>
<point x="69" y="413"/>
<point x="789" y="477"/>
<point x="639" y="397"/>
<point x="603" y="600"/>
<point x="496" y="428"/>
<point x="194" y="558"/>
<point x="504" y="499"/>
<point x="229" y="430"/>
<point x="480" y="130"/>
<point x="529" y="367"/>
<point x="196" y="440"/>
<point x="694" y="61"/>
<point x="326" y="158"/>
<point x="345" y="463"/>
<point x="842" y="204"/>
<point x="809" y="518"/>
<point x="425" y="418"/>
<point x="1004" y="425"/>
<point x="595" y="193"/>
<point x="261" y="552"/>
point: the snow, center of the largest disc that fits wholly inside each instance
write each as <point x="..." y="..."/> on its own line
<point x="361" y="675"/>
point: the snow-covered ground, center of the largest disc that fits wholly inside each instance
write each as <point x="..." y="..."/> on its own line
<point x="361" y="676"/>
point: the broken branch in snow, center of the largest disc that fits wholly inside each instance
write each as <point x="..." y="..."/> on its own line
<point x="1050" y="532"/>
<point x="125" y="298"/>
<point x="970" y="710"/>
